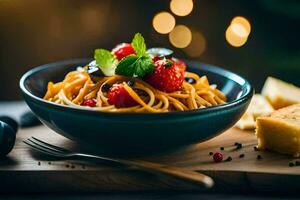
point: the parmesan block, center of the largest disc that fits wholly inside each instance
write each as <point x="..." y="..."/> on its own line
<point x="279" y="93"/>
<point x="280" y="131"/>
<point x="259" y="106"/>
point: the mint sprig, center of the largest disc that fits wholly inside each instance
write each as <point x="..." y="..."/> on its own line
<point x="139" y="45"/>
<point x="106" y="61"/>
<point x="137" y="65"/>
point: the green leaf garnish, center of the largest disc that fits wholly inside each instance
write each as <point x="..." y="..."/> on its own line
<point x="106" y="61"/>
<point x="139" y="45"/>
<point x="104" y="58"/>
<point x="168" y="63"/>
<point x="135" y="66"/>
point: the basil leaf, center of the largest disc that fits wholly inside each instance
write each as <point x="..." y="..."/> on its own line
<point x="106" y="61"/>
<point x="126" y="65"/>
<point x="139" y="45"/>
<point x="104" y="58"/>
<point x="143" y="66"/>
<point x="135" y="66"/>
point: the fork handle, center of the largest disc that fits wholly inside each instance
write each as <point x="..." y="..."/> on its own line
<point x="176" y="172"/>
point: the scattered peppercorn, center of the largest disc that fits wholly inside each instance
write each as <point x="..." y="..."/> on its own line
<point x="236" y="143"/>
<point x="255" y="148"/>
<point x="258" y="157"/>
<point x="67" y="165"/>
<point x="105" y="87"/>
<point x="130" y="83"/>
<point x="39" y="163"/>
<point x="49" y="163"/>
<point x="221" y="148"/>
<point x="297" y="163"/>
<point x="72" y="166"/>
<point x="211" y="153"/>
<point x="291" y="164"/>
<point x="218" y="157"/>
<point x="228" y="159"/>
<point x="239" y="146"/>
<point x="242" y="156"/>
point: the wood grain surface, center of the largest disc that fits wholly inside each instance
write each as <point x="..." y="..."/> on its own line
<point x="27" y="171"/>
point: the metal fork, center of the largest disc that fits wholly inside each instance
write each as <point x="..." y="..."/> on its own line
<point x="176" y="172"/>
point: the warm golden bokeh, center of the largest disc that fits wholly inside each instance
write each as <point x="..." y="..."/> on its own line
<point x="181" y="7"/>
<point x="234" y="39"/>
<point x="180" y="36"/>
<point x="197" y="45"/>
<point x="238" y="31"/>
<point x="163" y="22"/>
<point x="242" y="21"/>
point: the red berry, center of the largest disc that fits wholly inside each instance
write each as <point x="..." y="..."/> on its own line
<point x="180" y="63"/>
<point x="118" y="96"/>
<point x="167" y="76"/>
<point x="89" y="102"/>
<point x="155" y="58"/>
<point x="218" y="157"/>
<point x="122" y="50"/>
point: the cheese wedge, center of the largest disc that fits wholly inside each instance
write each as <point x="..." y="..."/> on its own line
<point x="259" y="106"/>
<point x="279" y="93"/>
<point x="280" y="131"/>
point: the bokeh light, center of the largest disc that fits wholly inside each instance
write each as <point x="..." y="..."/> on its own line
<point x="197" y="45"/>
<point x="163" y="22"/>
<point x="181" y="7"/>
<point x="180" y="36"/>
<point x="238" y="31"/>
<point x="234" y="39"/>
<point x="242" y="21"/>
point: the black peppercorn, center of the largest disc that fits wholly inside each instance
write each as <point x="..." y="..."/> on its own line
<point x="211" y="153"/>
<point x="239" y="146"/>
<point x="297" y="163"/>
<point x="242" y="156"/>
<point x="228" y="159"/>
<point x="258" y="157"/>
<point x="255" y="148"/>
<point x="221" y="148"/>
<point x="291" y="164"/>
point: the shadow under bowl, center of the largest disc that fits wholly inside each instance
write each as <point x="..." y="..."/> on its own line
<point x="134" y="134"/>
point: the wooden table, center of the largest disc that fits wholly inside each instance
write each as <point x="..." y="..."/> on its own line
<point x="27" y="171"/>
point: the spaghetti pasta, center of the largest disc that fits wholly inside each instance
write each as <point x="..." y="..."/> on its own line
<point x="79" y="86"/>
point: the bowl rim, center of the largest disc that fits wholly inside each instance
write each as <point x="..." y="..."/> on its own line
<point x="207" y="67"/>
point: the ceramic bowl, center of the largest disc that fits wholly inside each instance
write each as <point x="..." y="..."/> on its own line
<point x="136" y="133"/>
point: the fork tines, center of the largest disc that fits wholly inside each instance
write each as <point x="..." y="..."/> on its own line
<point x="46" y="148"/>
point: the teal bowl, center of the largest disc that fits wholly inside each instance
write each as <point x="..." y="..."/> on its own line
<point x="135" y="134"/>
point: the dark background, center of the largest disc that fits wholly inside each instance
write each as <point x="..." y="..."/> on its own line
<point x="34" y="32"/>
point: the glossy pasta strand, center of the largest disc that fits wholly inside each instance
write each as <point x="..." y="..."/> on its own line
<point x="79" y="86"/>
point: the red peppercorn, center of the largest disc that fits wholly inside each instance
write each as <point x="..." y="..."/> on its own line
<point x="218" y="157"/>
<point x="89" y="102"/>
